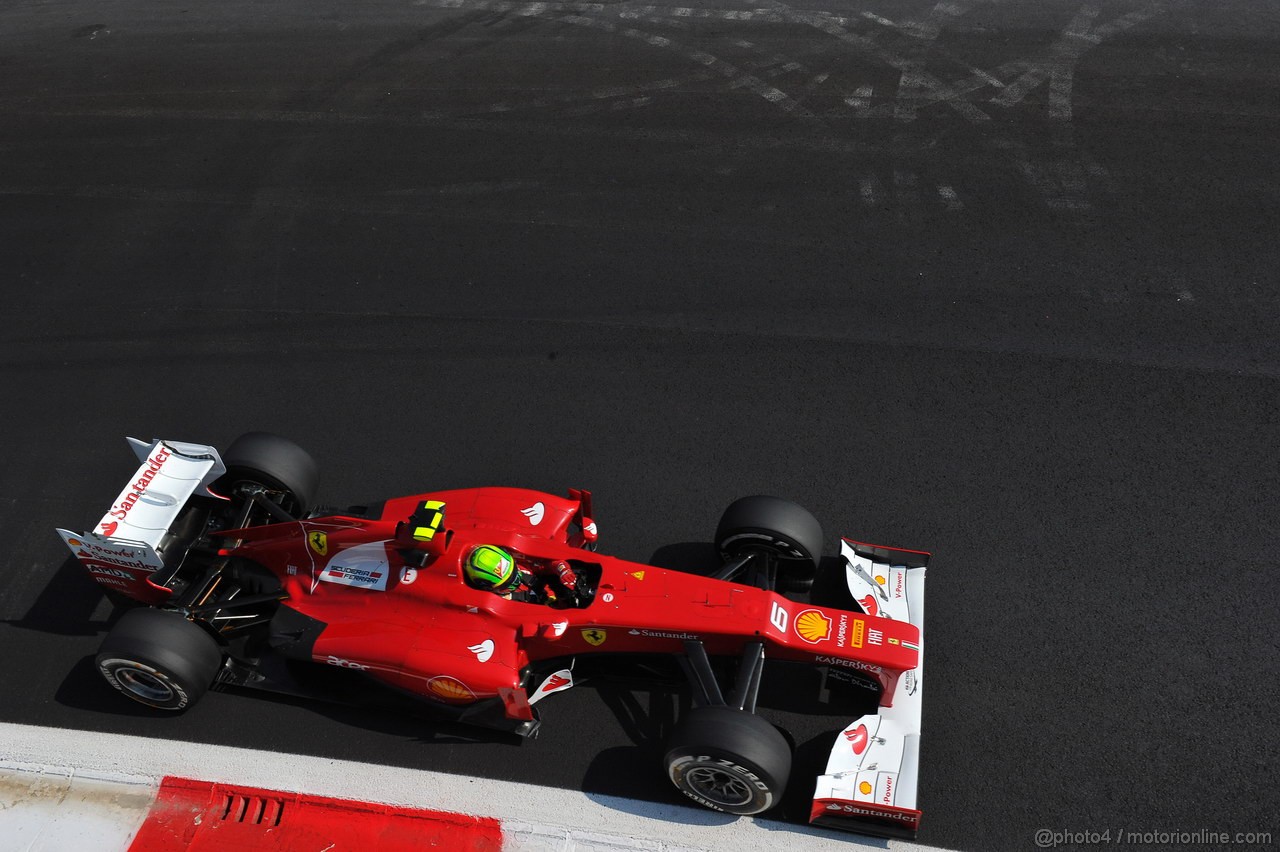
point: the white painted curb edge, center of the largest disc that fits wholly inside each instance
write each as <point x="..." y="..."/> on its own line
<point x="59" y="787"/>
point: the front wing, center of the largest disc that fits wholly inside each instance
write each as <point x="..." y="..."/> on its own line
<point x="872" y="774"/>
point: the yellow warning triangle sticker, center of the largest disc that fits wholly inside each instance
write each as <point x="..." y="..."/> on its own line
<point x="639" y="575"/>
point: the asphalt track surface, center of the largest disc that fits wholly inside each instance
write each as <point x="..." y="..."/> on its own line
<point x="993" y="279"/>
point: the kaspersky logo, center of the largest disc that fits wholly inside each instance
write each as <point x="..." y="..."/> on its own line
<point x="812" y="626"/>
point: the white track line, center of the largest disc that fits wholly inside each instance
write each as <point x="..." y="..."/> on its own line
<point x="529" y="813"/>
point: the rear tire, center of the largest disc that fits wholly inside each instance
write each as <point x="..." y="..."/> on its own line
<point x="728" y="760"/>
<point x="275" y="463"/>
<point x="779" y="527"/>
<point x="160" y="659"/>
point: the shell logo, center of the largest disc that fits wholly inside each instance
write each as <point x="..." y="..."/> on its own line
<point x="864" y="788"/>
<point x="450" y="689"/>
<point x="812" y="626"/>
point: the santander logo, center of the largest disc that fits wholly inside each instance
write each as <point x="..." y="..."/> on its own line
<point x="110" y="529"/>
<point x="858" y="739"/>
<point x="138" y="489"/>
<point x="482" y="650"/>
<point x="555" y="682"/>
<point x="869" y="605"/>
<point x="535" y="513"/>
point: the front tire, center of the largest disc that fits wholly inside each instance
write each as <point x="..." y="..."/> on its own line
<point x="728" y="760"/>
<point x="776" y="526"/>
<point x="160" y="659"/>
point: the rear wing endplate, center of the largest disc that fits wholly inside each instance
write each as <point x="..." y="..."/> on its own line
<point x="123" y="548"/>
<point x="872" y="774"/>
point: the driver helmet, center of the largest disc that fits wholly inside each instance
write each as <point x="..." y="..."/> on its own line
<point x="490" y="567"/>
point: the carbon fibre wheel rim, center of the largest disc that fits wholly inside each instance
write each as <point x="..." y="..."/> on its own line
<point x="719" y="786"/>
<point x="146" y="686"/>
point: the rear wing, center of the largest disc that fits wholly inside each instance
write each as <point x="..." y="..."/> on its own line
<point x="127" y="544"/>
<point x="872" y="774"/>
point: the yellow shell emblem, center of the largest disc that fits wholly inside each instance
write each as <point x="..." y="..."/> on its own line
<point x="812" y="626"/>
<point x="450" y="689"/>
<point x="864" y="788"/>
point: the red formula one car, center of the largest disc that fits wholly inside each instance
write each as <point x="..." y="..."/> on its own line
<point x="245" y="580"/>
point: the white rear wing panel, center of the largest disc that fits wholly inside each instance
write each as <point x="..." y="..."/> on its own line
<point x="121" y="551"/>
<point x="872" y="774"/>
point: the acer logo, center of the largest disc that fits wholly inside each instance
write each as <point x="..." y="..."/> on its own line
<point x="346" y="664"/>
<point x="103" y="570"/>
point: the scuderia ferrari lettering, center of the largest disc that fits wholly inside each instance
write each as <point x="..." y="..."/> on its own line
<point x="364" y="566"/>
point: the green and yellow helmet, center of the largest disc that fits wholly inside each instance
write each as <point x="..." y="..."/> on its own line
<point x="490" y="567"/>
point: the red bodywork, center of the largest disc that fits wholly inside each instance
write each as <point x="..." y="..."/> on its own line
<point x="423" y="629"/>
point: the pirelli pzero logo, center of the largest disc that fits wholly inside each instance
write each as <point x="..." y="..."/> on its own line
<point x="812" y="626"/>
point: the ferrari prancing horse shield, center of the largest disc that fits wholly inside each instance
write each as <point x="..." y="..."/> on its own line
<point x="595" y="636"/>
<point x="319" y="542"/>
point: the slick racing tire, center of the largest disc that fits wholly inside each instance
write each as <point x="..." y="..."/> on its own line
<point x="159" y="658"/>
<point x="778" y="526"/>
<point x="728" y="760"/>
<point x="277" y="464"/>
